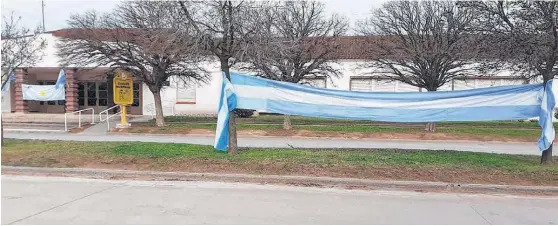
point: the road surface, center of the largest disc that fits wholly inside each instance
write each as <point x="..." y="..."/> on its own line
<point x="52" y="200"/>
<point x="299" y="142"/>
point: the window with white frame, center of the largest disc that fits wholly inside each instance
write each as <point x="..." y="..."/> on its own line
<point x="318" y="82"/>
<point x="185" y="93"/>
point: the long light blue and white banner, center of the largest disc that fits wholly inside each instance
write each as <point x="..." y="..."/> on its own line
<point x="43" y="92"/>
<point x="485" y="104"/>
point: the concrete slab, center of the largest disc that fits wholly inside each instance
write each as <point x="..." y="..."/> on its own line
<point x="503" y="210"/>
<point x="29" y="196"/>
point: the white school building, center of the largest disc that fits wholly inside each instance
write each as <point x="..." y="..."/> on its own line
<point x="90" y="88"/>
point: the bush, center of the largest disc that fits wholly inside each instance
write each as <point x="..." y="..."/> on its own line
<point x="556" y="114"/>
<point x="243" y="113"/>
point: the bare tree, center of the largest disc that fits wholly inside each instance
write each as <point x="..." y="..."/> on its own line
<point x="296" y="40"/>
<point x="20" y="48"/>
<point x="421" y="43"/>
<point x="524" y="37"/>
<point x="224" y="28"/>
<point x="149" y="39"/>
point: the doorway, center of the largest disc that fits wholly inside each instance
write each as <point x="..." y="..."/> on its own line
<point x="98" y="95"/>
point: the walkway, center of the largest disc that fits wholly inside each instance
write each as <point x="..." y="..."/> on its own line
<point x="296" y="142"/>
<point x="52" y="200"/>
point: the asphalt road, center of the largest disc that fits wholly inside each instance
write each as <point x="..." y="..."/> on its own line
<point x="288" y="142"/>
<point x="52" y="200"/>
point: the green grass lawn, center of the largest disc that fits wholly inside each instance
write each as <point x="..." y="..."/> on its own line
<point x="450" y="166"/>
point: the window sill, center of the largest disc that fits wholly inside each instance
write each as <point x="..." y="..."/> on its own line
<point x="186" y="102"/>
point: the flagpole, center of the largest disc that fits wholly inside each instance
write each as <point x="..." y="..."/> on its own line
<point x="43" y="14"/>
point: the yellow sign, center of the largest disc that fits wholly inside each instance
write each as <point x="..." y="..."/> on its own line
<point x="123" y="88"/>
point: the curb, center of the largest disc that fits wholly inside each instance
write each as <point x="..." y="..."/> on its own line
<point x="348" y="183"/>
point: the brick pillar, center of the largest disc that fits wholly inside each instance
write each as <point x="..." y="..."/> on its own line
<point x="21" y="78"/>
<point x="71" y="91"/>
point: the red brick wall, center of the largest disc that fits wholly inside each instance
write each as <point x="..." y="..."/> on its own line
<point x="20" y="104"/>
<point x="71" y="91"/>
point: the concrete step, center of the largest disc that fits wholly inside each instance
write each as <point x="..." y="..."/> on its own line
<point x="37" y="126"/>
<point x="33" y="125"/>
<point x="42" y="126"/>
<point x="35" y="130"/>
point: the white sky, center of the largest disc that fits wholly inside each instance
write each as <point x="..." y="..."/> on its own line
<point x="58" y="11"/>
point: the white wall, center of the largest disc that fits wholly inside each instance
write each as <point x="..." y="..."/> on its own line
<point x="6" y="101"/>
<point x="207" y="95"/>
<point x="348" y="69"/>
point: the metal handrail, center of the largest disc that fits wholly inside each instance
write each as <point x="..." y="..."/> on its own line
<point x="150" y="108"/>
<point x="108" y="117"/>
<point x="79" y="117"/>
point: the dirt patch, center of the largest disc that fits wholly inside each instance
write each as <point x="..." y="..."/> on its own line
<point x="79" y="130"/>
<point x="449" y="175"/>
<point x="382" y="135"/>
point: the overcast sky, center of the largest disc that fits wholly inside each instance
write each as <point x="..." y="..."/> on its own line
<point x="58" y="11"/>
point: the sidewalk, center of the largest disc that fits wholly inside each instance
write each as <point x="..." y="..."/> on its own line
<point x="524" y="148"/>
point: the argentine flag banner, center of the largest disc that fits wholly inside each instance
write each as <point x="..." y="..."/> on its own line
<point x="43" y="92"/>
<point x="11" y="78"/>
<point x="485" y="104"/>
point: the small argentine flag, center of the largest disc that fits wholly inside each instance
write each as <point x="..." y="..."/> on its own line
<point x="11" y="78"/>
<point x="61" y="79"/>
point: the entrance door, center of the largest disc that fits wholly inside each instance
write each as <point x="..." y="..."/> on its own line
<point x="93" y="95"/>
<point x="96" y="95"/>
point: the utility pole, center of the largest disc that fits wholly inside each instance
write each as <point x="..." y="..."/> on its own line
<point x="43" y="13"/>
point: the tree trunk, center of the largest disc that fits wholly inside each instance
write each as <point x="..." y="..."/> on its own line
<point x="159" y="117"/>
<point x="232" y="148"/>
<point x="546" y="156"/>
<point x="2" y="119"/>
<point x="287" y="122"/>
<point x="430" y="127"/>
<point x="1" y="130"/>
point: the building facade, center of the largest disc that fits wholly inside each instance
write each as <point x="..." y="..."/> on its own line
<point x="92" y="87"/>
